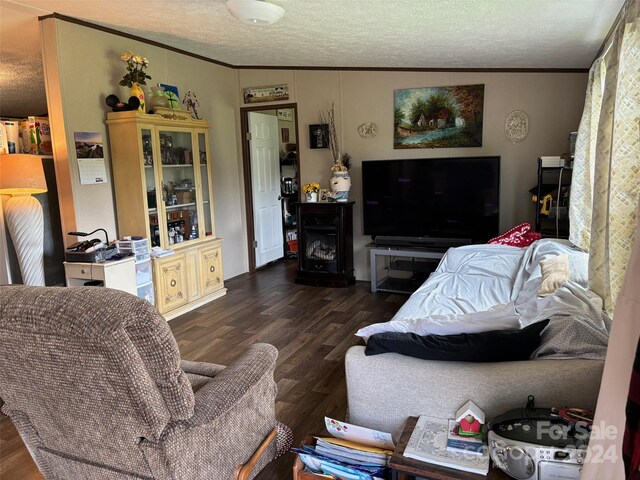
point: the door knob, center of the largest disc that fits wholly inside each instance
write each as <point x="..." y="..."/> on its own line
<point x="279" y="197"/>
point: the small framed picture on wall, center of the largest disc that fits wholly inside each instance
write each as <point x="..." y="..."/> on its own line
<point x="319" y="136"/>
<point x="285" y="135"/>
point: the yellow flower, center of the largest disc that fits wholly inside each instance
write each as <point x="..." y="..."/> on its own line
<point x="138" y="59"/>
<point x="311" y="187"/>
<point x="126" y="56"/>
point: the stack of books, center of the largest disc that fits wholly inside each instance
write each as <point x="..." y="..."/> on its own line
<point x="353" y="452"/>
<point x="463" y="443"/>
<point x="433" y="441"/>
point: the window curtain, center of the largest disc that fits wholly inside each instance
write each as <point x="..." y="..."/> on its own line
<point x="604" y="221"/>
<point x="606" y="168"/>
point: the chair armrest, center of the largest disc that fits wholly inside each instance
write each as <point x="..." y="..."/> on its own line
<point x="234" y="413"/>
<point x="231" y="384"/>
<point x="201" y="368"/>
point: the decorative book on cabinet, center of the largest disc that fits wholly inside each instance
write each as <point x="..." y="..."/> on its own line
<point x="163" y="190"/>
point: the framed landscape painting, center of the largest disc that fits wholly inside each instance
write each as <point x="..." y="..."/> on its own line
<point x="438" y="117"/>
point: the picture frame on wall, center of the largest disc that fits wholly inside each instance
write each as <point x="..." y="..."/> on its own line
<point x="272" y="93"/>
<point x="284" y="134"/>
<point x="319" y="136"/>
<point x="285" y="114"/>
<point x="438" y="117"/>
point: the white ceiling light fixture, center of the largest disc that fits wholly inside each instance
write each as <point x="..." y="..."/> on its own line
<point x="255" y="12"/>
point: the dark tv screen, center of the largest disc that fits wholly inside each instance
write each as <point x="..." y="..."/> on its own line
<point x="455" y="197"/>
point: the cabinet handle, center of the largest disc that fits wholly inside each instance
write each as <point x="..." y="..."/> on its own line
<point x="212" y="269"/>
<point x="82" y="271"/>
<point x="173" y="282"/>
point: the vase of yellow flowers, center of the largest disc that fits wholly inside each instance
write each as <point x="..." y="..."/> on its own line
<point x="311" y="191"/>
<point x="135" y="75"/>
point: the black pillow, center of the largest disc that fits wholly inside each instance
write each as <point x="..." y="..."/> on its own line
<point x="493" y="346"/>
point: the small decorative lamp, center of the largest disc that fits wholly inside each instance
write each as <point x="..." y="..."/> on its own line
<point x="21" y="176"/>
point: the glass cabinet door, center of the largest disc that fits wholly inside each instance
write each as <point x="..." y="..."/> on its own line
<point x="205" y="173"/>
<point x="179" y="194"/>
<point x="150" y="183"/>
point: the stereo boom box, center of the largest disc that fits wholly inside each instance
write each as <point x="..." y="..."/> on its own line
<point x="538" y="444"/>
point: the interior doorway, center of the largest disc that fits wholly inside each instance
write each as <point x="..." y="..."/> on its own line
<point x="272" y="180"/>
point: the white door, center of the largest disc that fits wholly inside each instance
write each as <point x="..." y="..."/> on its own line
<point x="265" y="186"/>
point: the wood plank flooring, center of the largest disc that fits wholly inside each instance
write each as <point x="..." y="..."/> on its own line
<point x="312" y="328"/>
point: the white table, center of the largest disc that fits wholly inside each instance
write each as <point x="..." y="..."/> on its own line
<point x="117" y="274"/>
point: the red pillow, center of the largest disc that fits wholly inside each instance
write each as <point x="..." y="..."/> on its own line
<point x="519" y="236"/>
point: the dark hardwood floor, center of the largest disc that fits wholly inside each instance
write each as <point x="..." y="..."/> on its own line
<point x="312" y="328"/>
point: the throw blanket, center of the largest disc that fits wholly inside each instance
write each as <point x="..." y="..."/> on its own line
<point x="491" y="287"/>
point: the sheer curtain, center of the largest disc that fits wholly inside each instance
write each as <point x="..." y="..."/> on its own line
<point x="604" y="221"/>
<point x="606" y="171"/>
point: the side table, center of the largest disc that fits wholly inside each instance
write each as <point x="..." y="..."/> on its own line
<point x="404" y="468"/>
<point x="118" y="274"/>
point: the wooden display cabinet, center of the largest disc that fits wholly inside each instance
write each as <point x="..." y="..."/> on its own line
<point x="163" y="190"/>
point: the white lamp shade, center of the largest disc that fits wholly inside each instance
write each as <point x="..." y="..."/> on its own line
<point x="21" y="174"/>
<point x="255" y="12"/>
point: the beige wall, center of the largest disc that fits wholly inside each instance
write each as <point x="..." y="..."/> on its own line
<point x="553" y="102"/>
<point x="82" y="67"/>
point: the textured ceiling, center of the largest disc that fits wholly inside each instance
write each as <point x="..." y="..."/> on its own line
<point x="20" y="59"/>
<point x="356" y="33"/>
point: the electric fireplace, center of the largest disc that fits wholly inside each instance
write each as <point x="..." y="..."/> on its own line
<point x="325" y="244"/>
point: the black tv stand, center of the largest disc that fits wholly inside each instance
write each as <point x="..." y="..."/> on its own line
<point x="426" y="242"/>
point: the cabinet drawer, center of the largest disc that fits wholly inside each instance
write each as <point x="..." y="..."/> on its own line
<point x="79" y="270"/>
<point x="171" y="283"/>
<point x="211" y="263"/>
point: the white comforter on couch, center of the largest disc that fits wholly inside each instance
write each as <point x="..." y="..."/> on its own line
<point x="478" y="288"/>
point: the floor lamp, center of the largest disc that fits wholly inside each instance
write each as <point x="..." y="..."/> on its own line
<point x="21" y="176"/>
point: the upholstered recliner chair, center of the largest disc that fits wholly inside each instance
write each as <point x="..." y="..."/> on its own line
<point x="93" y="381"/>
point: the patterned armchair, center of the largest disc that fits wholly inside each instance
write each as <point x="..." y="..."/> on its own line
<point x="93" y="381"/>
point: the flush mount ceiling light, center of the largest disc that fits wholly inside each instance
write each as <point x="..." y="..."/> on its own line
<point x="255" y="12"/>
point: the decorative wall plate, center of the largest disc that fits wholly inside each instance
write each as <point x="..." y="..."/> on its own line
<point x="516" y="126"/>
<point x="368" y="130"/>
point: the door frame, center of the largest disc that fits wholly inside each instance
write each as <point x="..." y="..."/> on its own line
<point x="246" y="164"/>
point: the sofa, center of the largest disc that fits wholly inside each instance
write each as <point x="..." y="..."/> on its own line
<point x="483" y="288"/>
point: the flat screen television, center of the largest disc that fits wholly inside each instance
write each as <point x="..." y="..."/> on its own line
<point x="440" y="198"/>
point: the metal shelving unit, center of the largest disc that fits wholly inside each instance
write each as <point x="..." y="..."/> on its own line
<point x="553" y="179"/>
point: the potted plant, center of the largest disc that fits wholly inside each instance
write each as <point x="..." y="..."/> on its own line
<point x="135" y="75"/>
<point x="340" y="179"/>
<point x="311" y="191"/>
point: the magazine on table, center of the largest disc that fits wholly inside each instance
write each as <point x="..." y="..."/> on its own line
<point x="428" y="443"/>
